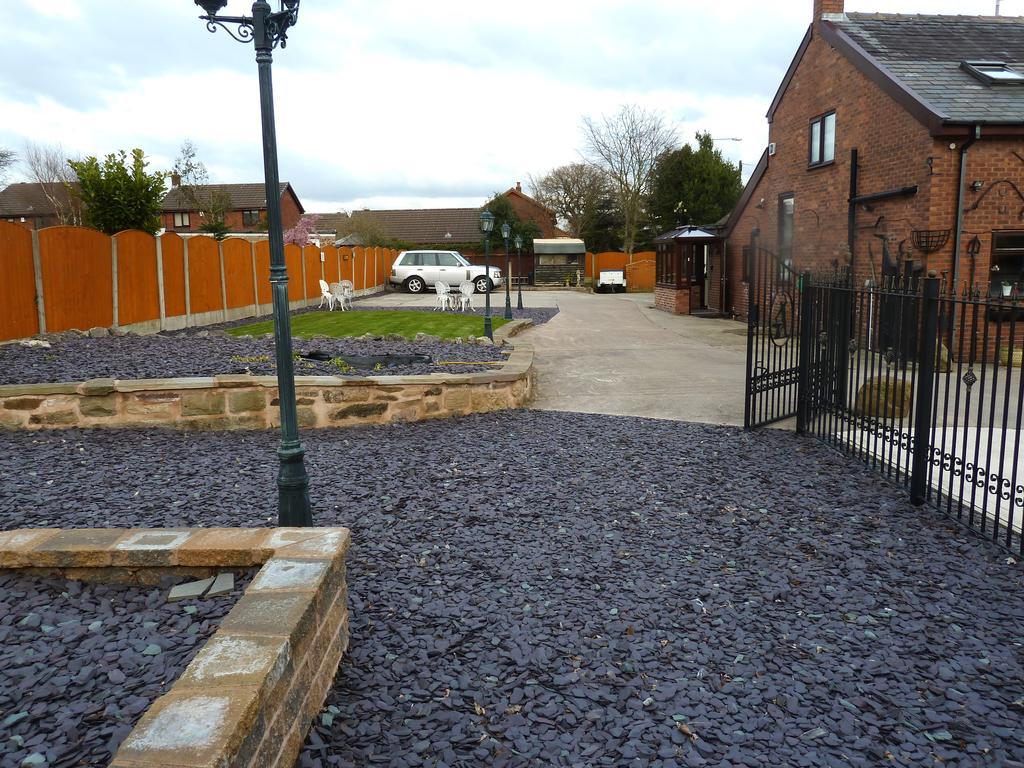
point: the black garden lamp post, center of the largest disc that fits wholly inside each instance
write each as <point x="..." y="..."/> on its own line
<point x="506" y="230"/>
<point x="486" y="226"/>
<point x="266" y="29"/>
<point x="519" y="267"/>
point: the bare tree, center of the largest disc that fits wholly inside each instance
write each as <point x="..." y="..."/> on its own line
<point x="7" y="160"/>
<point x="189" y="174"/>
<point x="574" y="192"/>
<point x="48" y="166"/>
<point x="626" y="146"/>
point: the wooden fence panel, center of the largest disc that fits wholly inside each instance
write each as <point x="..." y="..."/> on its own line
<point x="172" y="247"/>
<point x="640" y="277"/>
<point x="293" y="261"/>
<point x="238" y="272"/>
<point x="359" y="268"/>
<point x="204" y="286"/>
<point x="138" y="288"/>
<point x="77" y="278"/>
<point x="331" y="272"/>
<point x="347" y="264"/>
<point x="18" y="314"/>
<point x="263" y="290"/>
<point x="311" y="257"/>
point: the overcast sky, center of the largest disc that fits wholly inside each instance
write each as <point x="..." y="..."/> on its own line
<point x="391" y="103"/>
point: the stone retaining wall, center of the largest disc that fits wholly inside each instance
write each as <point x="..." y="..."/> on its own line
<point x="250" y="402"/>
<point x="249" y="695"/>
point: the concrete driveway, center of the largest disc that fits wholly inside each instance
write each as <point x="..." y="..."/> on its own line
<point x="615" y="354"/>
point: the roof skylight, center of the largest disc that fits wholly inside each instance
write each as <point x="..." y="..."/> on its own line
<point x="993" y="72"/>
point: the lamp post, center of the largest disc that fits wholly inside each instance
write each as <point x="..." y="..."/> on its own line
<point x="519" y="267"/>
<point x="506" y="230"/>
<point x="486" y="225"/>
<point x="266" y="29"/>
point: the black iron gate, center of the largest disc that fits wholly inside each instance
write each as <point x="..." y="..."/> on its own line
<point x="773" y="344"/>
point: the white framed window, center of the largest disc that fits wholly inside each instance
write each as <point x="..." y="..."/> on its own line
<point x="822" y="140"/>
<point x="181" y="220"/>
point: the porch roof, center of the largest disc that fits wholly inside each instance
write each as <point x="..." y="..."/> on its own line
<point x="687" y="234"/>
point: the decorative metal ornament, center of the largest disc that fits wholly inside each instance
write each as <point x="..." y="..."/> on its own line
<point x="268" y="31"/>
<point x="970" y="378"/>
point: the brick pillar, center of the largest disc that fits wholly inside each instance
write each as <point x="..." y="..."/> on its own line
<point x="827" y="6"/>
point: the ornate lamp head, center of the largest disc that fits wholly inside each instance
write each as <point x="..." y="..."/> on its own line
<point x="506" y="230"/>
<point x="518" y="241"/>
<point x="486" y="222"/>
<point x="211" y="6"/>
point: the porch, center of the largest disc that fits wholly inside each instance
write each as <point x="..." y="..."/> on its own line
<point x="685" y="271"/>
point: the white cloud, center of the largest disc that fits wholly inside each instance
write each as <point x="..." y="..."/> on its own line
<point x="386" y="103"/>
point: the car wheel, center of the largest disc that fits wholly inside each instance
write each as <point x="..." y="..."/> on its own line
<point x="415" y="285"/>
<point x="480" y="284"/>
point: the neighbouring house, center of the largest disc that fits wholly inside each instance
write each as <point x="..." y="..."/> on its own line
<point x="35" y="206"/>
<point x="440" y="228"/>
<point x="896" y="144"/>
<point x="182" y="209"/>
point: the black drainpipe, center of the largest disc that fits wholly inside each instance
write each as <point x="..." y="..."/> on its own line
<point x="851" y="226"/>
<point x="975" y="135"/>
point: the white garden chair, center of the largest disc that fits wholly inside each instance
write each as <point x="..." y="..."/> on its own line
<point x="466" y="291"/>
<point x="327" y="296"/>
<point x="443" y="296"/>
<point x="346" y="293"/>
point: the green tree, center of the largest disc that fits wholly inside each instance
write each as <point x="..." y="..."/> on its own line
<point x="503" y="211"/>
<point x="119" y="194"/>
<point x="693" y="186"/>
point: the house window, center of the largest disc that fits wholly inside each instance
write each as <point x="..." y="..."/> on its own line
<point x="251" y="218"/>
<point x="181" y="220"/>
<point x="787" y="208"/>
<point x="823" y="140"/>
<point x="993" y="72"/>
<point x="666" y="265"/>
<point x="1007" y="259"/>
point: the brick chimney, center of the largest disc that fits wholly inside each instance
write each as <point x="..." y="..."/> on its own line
<point x="175" y="180"/>
<point x="519" y="187"/>
<point x="823" y="9"/>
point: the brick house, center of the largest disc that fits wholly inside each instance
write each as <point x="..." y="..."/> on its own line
<point x="31" y="205"/>
<point x="247" y="212"/>
<point x="894" y="140"/>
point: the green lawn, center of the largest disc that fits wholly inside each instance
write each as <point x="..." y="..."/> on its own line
<point x="338" y="324"/>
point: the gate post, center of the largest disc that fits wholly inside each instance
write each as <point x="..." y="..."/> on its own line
<point x="752" y="322"/>
<point x="803" y="396"/>
<point x="925" y="385"/>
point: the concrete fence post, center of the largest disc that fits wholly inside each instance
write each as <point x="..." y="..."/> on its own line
<point x="223" y="282"/>
<point x="188" y="289"/>
<point x="113" y="279"/>
<point x="161" y="299"/>
<point x="37" y="269"/>
<point x="255" y="280"/>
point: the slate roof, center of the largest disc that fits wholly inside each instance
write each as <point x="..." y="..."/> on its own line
<point x="419" y="225"/>
<point x="28" y="199"/>
<point x="244" y="197"/>
<point x="924" y="53"/>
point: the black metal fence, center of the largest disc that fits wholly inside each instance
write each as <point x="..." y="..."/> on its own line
<point x="923" y="384"/>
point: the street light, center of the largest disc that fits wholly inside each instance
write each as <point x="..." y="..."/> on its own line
<point x="519" y="266"/>
<point x="506" y="230"/>
<point x="486" y="225"/>
<point x="266" y="29"/>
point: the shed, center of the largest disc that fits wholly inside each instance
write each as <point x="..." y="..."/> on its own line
<point x="558" y="258"/>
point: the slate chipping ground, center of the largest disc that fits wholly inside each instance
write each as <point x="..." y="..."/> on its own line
<point x="80" y="662"/>
<point x="535" y="588"/>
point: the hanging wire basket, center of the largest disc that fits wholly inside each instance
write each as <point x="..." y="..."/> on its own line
<point x="930" y="240"/>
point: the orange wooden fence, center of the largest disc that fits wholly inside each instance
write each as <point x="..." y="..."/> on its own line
<point x="73" y="277"/>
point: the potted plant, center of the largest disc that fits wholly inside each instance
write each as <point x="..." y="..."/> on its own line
<point x="1007" y="288"/>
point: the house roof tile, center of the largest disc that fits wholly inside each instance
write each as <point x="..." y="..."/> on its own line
<point x="924" y="53"/>
<point x="243" y="196"/>
<point x="28" y="199"/>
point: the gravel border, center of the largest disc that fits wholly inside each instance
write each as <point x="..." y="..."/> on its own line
<point x="537" y="588"/>
<point x="80" y="662"/>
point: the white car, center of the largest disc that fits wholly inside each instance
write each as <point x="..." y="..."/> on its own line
<point x="418" y="270"/>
